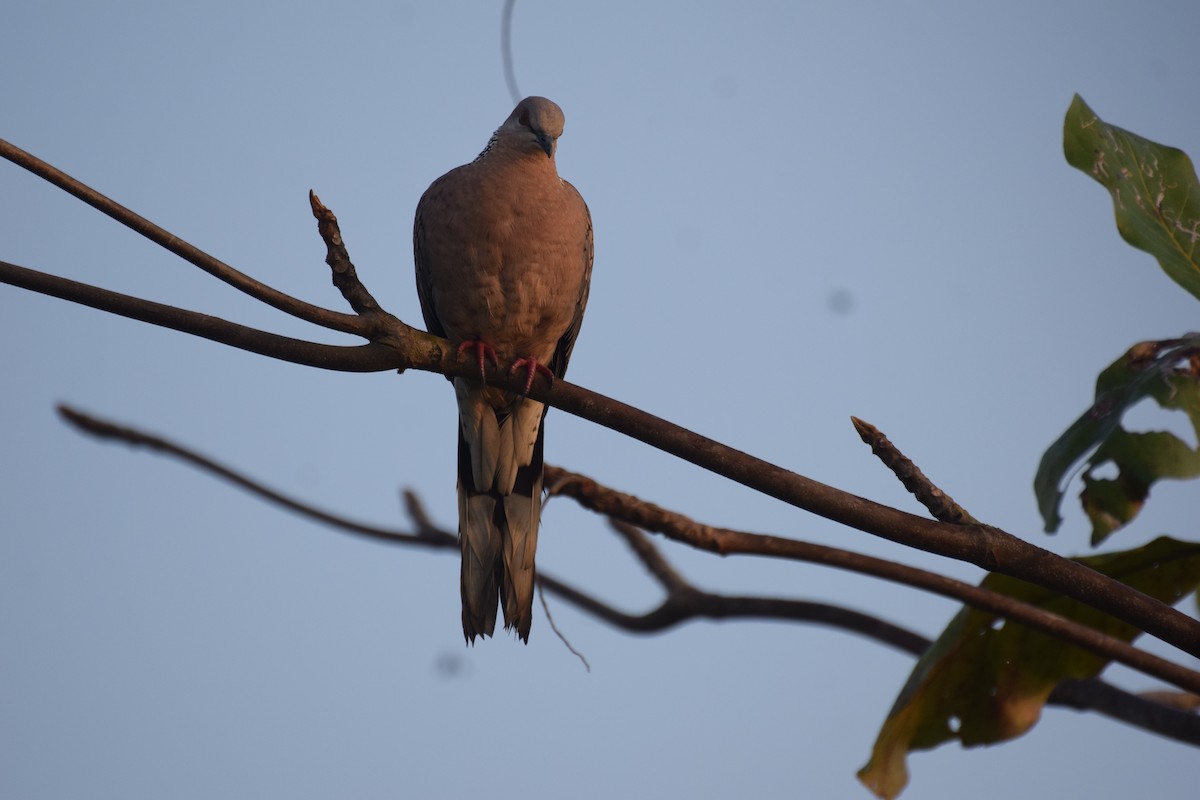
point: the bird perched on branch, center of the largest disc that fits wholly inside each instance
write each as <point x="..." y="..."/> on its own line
<point x="503" y="251"/>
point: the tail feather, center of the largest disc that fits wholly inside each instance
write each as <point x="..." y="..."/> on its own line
<point x="499" y="499"/>
<point x="522" y="514"/>
<point x="481" y="563"/>
<point x="518" y="436"/>
<point x="477" y="422"/>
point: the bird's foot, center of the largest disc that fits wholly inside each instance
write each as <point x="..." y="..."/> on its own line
<point x="484" y="351"/>
<point x="534" y="367"/>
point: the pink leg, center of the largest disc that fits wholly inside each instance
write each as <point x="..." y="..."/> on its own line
<point x="482" y="350"/>
<point x="534" y="368"/>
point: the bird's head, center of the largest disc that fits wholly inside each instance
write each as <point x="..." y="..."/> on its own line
<point x="535" y="124"/>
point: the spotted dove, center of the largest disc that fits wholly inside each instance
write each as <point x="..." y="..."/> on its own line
<point x="503" y="251"/>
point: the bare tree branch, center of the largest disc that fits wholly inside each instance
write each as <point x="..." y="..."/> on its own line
<point x="651" y="558"/>
<point x="985" y="546"/>
<point x="684" y="602"/>
<point x="723" y="541"/>
<point x="345" y="277"/>
<point x="358" y="358"/>
<point x="347" y="323"/>
<point x="1185" y="701"/>
<point x="1104" y="698"/>
<point x="429" y="534"/>
<point x="104" y="429"/>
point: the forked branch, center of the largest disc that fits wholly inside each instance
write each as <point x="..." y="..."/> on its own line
<point x="984" y="546"/>
<point x="683" y="601"/>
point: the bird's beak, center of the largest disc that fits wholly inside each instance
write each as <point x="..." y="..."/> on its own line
<point x="547" y="144"/>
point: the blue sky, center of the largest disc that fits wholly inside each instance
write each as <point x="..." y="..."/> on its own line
<point x="802" y="212"/>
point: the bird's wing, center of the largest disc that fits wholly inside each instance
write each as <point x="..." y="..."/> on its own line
<point x="421" y="259"/>
<point x="566" y="343"/>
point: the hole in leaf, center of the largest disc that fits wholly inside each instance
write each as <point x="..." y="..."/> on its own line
<point x="1148" y="415"/>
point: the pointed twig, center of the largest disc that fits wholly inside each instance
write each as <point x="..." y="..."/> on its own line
<point x="940" y="504"/>
<point x="345" y="277"/>
<point x="675" y="526"/>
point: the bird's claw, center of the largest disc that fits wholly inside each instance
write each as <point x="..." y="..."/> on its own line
<point x="534" y="367"/>
<point x="482" y="350"/>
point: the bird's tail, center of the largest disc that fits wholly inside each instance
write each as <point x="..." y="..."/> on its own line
<point x="522" y="515"/>
<point x="480" y="540"/>
<point x="499" y="504"/>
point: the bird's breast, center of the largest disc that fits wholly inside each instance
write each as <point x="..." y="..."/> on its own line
<point x="508" y="270"/>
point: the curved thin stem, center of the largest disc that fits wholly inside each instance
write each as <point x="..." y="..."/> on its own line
<point x="347" y="323"/>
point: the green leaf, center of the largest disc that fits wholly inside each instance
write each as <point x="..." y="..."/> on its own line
<point x="1154" y="189"/>
<point x="1163" y="370"/>
<point x="985" y="680"/>
<point x="1142" y="459"/>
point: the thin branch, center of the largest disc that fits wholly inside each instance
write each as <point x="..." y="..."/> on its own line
<point x="723" y="541"/>
<point x="428" y="534"/>
<point x="1104" y="698"/>
<point x="940" y="504"/>
<point x="425" y="527"/>
<point x="345" y="277"/>
<point x="987" y="547"/>
<point x="651" y="559"/>
<point x="135" y="438"/>
<point x="675" y="611"/>
<point x="357" y="358"/>
<point x="347" y="323"/>
<point x="1185" y="701"/>
<point x="684" y="603"/>
<point x="982" y="545"/>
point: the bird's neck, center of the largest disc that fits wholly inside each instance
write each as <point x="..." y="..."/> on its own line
<point x="499" y="154"/>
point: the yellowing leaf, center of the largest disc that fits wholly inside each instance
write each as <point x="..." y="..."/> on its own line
<point x="985" y="680"/>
